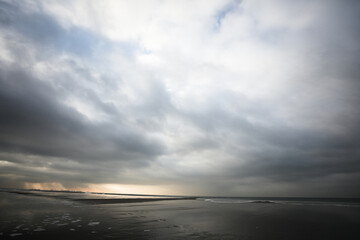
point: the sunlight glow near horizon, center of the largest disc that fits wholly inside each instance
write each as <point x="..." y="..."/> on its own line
<point x="105" y="188"/>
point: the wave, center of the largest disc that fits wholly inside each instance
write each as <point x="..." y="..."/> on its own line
<point x="265" y="201"/>
<point x="223" y="200"/>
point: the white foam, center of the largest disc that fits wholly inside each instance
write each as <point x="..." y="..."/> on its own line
<point x="93" y="223"/>
<point x="225" y="200"/>
<point x="280" y="201"/>
<point x="15" y="234"/>
<point x="228" y="200"/>
<point x="62" y="224"/>
<point x="39" y="229"/>
<point x="19" y="226"/>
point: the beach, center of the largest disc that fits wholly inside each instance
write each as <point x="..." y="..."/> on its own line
<point x="28" y="216"/>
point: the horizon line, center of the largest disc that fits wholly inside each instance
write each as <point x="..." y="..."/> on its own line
<point x="172" y="195"/>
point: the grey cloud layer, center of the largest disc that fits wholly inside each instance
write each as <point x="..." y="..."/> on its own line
<point x="87" y="118"/>
<point x="35" y="122"/>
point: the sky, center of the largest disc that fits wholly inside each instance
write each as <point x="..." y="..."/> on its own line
<point x="193" y="97"/>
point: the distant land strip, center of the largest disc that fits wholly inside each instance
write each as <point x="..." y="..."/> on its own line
<point x="128" y="200"/>
<point x="103" y="201"/>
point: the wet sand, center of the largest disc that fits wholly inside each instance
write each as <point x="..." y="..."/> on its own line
<point x="36" y="217"/>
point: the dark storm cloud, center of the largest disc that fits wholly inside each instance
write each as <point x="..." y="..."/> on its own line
<point x="37" y="169"/>
<point x="278" y="152"/>
<point x="33" y="118"/>
<point x="296" y="165"/>
<point x="33" y="121"/>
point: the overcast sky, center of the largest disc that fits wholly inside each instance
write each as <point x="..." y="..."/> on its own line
<point x="204" y="97"/>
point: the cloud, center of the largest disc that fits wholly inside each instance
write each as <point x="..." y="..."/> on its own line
<point x="208" y="97"/>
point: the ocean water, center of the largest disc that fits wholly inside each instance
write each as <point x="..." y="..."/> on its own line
<point x="335" y="202"/>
